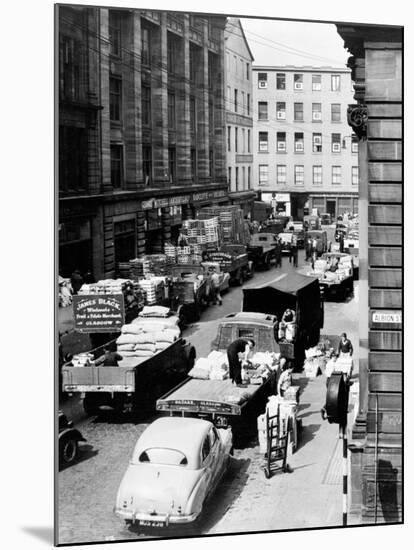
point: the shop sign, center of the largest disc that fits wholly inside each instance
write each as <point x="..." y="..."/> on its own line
<point x="148" y="204"/>
<point x="98" y="312"/>
<point x="282" y="197"/>
<point x="165" y="202"/>
<point x="387" y="317"/>
<point x="206" y="195"/>
<point x="180" y="199"/>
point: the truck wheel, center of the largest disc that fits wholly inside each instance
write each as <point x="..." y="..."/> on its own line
<point x="68" y="450"/>
<point x="267" y="472"/>
<point x="190" y="353"/>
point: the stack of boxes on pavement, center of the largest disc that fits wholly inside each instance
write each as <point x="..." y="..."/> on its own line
<point x="283" y="409"/>
<point x="231" y="221"/>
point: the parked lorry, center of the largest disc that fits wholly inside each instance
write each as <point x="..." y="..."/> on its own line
<point x="296" y="292"/>
<point x="335" y="272"/>
<point x="261" y="211"/>
<point x="221" y="401"/>
<point x="134" y="386"/>
<point x="262" y="249"/>
<point x="233" y="259"/>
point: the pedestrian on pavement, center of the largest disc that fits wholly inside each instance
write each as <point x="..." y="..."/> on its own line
<point x="278" y="253"/>
<point x="215" y="288"/>
<point x="345" y="345"/>
<point x="238" y="355"/>
<point x="294" y="251"/>
<point x="111" y="358"/>
<point x="341" y="242"/>
<point x="308" y="248"/>
<point x="76" y="280"/>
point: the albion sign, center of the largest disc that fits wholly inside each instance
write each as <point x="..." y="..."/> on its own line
<point x="386" y="317"/>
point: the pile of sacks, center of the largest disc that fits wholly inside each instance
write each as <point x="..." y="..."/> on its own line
<point x="147" y="336"/>
<point x="344" y="364"/>
<point x="287" y="410"/>
<point x="105" y="286"/>
<point x="213" y="367"/>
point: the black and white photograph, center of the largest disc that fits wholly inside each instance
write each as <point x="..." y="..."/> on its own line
<point x="229" y="348"/>
<point x="227" y="319"/>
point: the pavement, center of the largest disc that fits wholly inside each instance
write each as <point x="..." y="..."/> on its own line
<point x="310" y="496"/>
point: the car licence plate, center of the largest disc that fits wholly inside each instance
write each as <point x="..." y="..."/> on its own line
<point x="221" y="422"/>
<point x="151" y="523"/>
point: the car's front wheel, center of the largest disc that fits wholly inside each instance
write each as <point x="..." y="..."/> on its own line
<point x="68" y="451"/>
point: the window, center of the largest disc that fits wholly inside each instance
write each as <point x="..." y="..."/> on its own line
<point x="158" y="455"/>
<point x="172" y="164"/>
<point x="146" y="105"/>
<point x="243" y="148"/>
<point x="263" y="174"/>
<point x="316" y="112"/>
<point x="114" y="34"/>
<point x="193" y="163"/>
<point x="336" y="143"/>
<point x="70" y="68"/>
<point x="336" y="175"/>
<point x="241" y="67"/>
<point x="235" y="101"/>
<point x="236" y="139"/>
<point x="317" y="175"/>
<point x="116" y="166"/>
<point x="211" y="163"/>
<point x="228" y="138"/>
<point x="298" y="111"/>
<point x="73" y="158"/>
<point x="298" y="81"/>
<point x="243" y="103"/>
<point x="172" y="53"/>
<point x="211" y="116"/>
<point x="263" y="115"/>
<point x="237" y="178"/>
<point x="193" y="64"/>
<point x="247" y="71"/>
<point x="262" y="80"/>
<point x="317" y="143"/>
<point x="280" y="81"/>
<point x="316" y="82"/>
<point x="228" y="97"/>
<point x="354" y="144"/>
<point x="244" y="178"/>
<point x="229" y="177"/>
<point x="263" y="141"/>
<point x="171" y="110"/>
<point x="147" y="163"/>
<point x="115" y="98"/>
<point x="281" y="142"/>
<point x="248" y="141"/>
<point x="192" y="114"/>
<point x="281" y="110"/>
<point x="335" y="112"/>
<point x="355" y="175"/>
<point x="145" y="46"/>
<point x="281" y="173"/>
<point x="248" y="104"/>
<point x="299" y="144"/>
<point x="335" y="82"/>
<point x="249" y="183"/>
<point x="299" y="174"/>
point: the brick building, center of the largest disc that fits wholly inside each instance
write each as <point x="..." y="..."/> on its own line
<point x="141" y="130"/>
<point x="305" y="155"/>
<point x="239" y="117"/>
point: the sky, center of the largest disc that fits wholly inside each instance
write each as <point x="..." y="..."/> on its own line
<point x="274" y="42"/>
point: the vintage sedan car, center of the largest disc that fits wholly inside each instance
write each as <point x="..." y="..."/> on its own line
<point x="176" y="464"/>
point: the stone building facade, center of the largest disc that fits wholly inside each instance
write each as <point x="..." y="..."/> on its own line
<point x="376" y="117"/>
<point x="141" y="130"/>
<point x="305" y="155"/>
<point x="239" y="116"/>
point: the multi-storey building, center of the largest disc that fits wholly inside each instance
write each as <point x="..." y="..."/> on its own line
<point x="305" y="155"/>
<point x="141" y="130"/>
<point x="239" y="119"/>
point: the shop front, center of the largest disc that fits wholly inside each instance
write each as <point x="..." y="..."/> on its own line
<point x="280" y="202"/>
<point x="335" y="205"/>
<point x="75" y="246"/>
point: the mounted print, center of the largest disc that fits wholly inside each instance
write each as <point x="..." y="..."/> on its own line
<point x="229" y="283"/>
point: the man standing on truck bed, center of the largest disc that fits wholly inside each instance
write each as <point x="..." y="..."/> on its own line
<point x="237" y="354"/>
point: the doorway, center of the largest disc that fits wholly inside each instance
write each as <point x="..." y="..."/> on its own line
<point x="331" y="208"/>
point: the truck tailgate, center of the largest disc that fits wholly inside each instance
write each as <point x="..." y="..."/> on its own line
<point x="207" y="396"/>
<point x="99" y="379"/>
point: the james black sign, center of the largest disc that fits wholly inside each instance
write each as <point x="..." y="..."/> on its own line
<point x="98" y="313"/>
